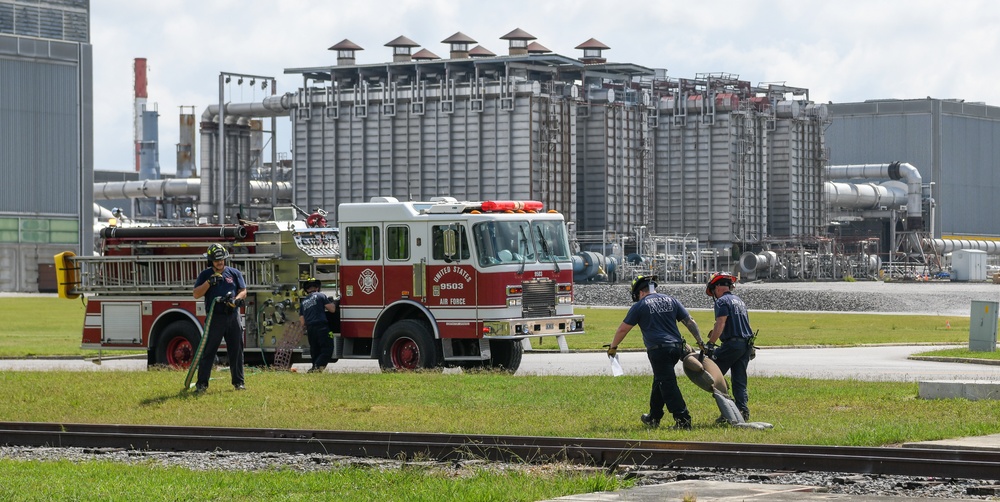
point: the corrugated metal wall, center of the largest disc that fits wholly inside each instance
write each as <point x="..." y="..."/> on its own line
<point x="953" y="144"/>
<point x="795" y="171"/>
<point x="40" y="134"/>
<point x="471" y="144"/>
<point x="46" y="138"/>
<point x="711" y="176"/>
<point x="613" y="164"/>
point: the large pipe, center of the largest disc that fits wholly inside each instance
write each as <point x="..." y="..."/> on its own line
<point x="942" y="246"/>
<point x="753" y="262"/>
<point x="890" y="194"/>
<point x="191" y="187"/>
<point x="228" y="232"/>
<point x="894" y="171"/>
<point x="271" y="106"/>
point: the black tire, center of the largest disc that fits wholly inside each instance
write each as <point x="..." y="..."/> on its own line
<point x="177" y="344"/>
<point x="506" y="354"/>
<point x="408" y="345"/>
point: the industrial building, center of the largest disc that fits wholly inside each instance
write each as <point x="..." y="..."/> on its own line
<point x="624" y="151"/>
<point x="654" y="173"/>
<point x="954" y="145"/>
<point x="46" y="119"/>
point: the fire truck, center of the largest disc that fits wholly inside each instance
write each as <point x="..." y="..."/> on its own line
<point x="420" y="284"/>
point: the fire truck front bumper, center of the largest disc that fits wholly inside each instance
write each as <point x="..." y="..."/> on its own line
<point x="534" y="326"/>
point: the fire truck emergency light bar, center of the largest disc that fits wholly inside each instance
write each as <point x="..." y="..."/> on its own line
<point x="499" y="206"/>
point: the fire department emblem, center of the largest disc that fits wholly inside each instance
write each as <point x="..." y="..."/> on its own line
<point x="368" y="281"/>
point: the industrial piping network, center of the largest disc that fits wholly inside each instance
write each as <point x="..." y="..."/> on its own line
<point x="588" y="266"/>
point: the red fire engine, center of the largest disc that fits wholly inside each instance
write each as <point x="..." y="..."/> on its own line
<point x="421" y="284"/>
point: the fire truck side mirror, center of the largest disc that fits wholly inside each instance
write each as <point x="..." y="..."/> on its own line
<point x="449" y="244"/>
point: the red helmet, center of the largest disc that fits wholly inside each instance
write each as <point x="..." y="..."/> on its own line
<point x="720" y="278"/>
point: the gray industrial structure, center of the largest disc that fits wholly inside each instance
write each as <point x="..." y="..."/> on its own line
<point x="616" y="147"/>
<point x="46" y="117"/>
<point x="954" y="145"/>
<point x="676" y="176"/>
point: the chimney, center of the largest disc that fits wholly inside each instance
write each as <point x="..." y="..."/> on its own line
<point x="518" y="42"/>
<point x="345" y="52"/>
<point x="401" y="47"/>
<point x="139" y="105"/>
<point x="459" y="45"/>
<point x="592" y="51"/>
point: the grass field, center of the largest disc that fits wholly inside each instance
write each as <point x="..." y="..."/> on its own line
<point x="822" y="412"/>
<point x="48" y="326"/>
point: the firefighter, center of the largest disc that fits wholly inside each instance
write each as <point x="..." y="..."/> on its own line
<point x="224" y="287"/>
<point x="657" y="315"/>
<point x="313" y="317"/>
<point x="732" y="327"/>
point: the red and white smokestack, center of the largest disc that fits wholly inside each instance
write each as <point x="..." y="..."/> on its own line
<point x="140" y="106"/>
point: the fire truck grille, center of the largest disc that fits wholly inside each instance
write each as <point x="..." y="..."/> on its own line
<point x="539" y="298"/>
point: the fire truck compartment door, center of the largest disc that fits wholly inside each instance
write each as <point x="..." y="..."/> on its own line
<point x="121" y="322"/>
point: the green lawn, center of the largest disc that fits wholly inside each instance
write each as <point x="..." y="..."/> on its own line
<point x="48" y="326"/>
<point x="822" y="412"/>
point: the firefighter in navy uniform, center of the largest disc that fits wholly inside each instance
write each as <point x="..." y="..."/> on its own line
<point x="314" y="320"/>
<point x="225" y="283"/>
<point x="732" y="328"/>
<point x="657" y="315"/>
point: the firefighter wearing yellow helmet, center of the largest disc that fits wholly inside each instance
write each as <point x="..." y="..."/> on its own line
<point x="732" y="328"/>
<point x="657" y="315"/>
<point x="225" y="291"/>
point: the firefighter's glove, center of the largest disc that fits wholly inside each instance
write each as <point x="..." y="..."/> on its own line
<point x="215" y="279"/>
<point x="240" y="302"/>
<point x="709" y="350"/>
<point x="612" y="350"/>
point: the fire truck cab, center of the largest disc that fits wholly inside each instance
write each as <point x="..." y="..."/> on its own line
<point x="420" y="284"/>
<point x="449" y="282"/>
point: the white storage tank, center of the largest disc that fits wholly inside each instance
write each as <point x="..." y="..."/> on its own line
<point x="968" y="265"/>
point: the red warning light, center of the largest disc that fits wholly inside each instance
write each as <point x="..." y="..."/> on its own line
<point x="511" y="205"/>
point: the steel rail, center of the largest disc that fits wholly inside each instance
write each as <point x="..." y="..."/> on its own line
<point x="951" y="463"/>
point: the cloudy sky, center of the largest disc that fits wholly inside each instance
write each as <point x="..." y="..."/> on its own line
<point x="841" y="50"/>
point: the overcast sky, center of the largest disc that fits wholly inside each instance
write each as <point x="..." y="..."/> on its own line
<point x="841" y="50"/>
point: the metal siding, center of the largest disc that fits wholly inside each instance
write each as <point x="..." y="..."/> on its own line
<point x="970" y="165"/>
<point x="962" y="158"/>
<point x="40" y="138"/>
<point x="710" y="177"/>
<point x="348" y="147"/>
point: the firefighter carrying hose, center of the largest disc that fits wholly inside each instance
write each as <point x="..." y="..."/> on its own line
<point x="225" y="285"/>
<point x="732" y="328"/>
<point x="657" y="315"/>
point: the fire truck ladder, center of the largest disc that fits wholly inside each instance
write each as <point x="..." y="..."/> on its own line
<point x="162" y="275"/>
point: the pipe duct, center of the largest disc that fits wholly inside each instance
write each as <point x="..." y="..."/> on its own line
<point x="893" y="171"/>
<point x="865" y="195"/>
<point x="154" y="189"/>
<point x="943" y="246"/>
<point x="751" y="262"/>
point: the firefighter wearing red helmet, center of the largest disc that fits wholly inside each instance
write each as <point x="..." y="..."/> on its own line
<point x="225" y="291"/>
<point x="732" y="328"/>
<point x="657" y="315"/>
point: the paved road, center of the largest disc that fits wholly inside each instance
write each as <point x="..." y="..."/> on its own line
<point x="888" y="363"/>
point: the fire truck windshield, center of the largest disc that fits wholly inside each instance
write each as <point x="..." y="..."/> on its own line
<point x="518" y="242"/>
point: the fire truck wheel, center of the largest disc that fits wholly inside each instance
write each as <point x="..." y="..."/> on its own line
<point x="408" y="345"/>
<point x="506" y="354"/>
<point x="177" y="344"/>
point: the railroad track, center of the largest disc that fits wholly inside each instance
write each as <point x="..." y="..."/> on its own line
<point x="955" y="463"/>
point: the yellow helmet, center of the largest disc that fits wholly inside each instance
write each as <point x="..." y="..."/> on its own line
<point x="640" y="283"/>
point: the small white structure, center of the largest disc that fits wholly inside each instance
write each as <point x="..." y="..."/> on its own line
<point x="968" y="265"/>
